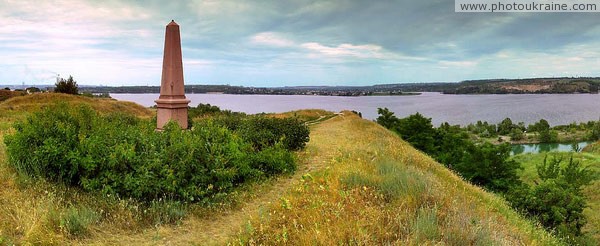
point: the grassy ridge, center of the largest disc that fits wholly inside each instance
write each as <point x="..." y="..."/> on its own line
<point x="373" y="188"/>
<point x="17" y="106"/>
<point x="357" y="183"/>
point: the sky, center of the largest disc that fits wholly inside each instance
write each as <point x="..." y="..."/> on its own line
<point x="289" y="43"/>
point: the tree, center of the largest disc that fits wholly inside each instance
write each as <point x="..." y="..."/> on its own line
<point x="516" y="134"/>
<point x="451" y="144"/>
<point x="548" y="136"/>
<point x="540" y="126"/>
<point x="386" y="118"/>
<point x="505" y="126"/>
<point x="418" y="131"/>
<point x="488" y="166"/>
<point x="68" y="86"/>
<point x="414" y="129"/>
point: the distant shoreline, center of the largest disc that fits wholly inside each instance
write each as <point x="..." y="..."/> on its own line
<point x="470" y="87"/>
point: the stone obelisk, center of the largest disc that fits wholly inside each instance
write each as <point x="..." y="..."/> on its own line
<point x="172" y="104"/>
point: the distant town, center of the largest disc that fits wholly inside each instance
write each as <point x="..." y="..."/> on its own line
<point x="495" y="86"/>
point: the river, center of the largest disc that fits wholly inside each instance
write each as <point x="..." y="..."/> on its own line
<point x="546" y="147"/>
<point x="558" y="109"/>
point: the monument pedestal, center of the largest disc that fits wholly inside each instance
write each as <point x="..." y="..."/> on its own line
<point x="172" y="109"/>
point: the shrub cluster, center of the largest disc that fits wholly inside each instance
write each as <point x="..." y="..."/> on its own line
<point x="261" y="131"/>
<point x="120" y="154"/>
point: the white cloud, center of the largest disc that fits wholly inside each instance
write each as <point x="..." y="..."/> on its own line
<point x="272" y="39"/>
<point x="49" y="23"/>
<point x="351" y="51"/>
<point x="359" y="51"/>
<point x="463" y="64"/>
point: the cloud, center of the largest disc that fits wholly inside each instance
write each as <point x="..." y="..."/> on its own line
<point x="290" y="42"/>
<point x="360" y="51"/>
<point x="458" y="64"/>
<point x="272" y="39"/>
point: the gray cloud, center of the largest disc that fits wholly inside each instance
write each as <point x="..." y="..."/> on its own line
<point x="292" y="42"/>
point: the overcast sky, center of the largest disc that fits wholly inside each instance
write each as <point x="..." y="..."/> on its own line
<point x="279" y="43"/>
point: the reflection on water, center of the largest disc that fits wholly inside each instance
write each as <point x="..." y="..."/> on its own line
<point x="547" y="147"/>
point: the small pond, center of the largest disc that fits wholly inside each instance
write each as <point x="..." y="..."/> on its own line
<point x="547" y="147"/>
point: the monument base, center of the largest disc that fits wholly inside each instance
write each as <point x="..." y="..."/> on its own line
<point x="172" y="109"/>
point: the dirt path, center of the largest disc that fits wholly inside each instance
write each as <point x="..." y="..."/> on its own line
<point x="219" y="228"/>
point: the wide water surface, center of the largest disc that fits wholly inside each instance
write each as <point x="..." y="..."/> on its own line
<point x="558" y="109"/>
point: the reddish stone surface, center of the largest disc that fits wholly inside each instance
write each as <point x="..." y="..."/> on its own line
<point x="172" y="104"/>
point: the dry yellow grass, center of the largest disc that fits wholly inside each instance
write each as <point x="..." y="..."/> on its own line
<point x="325" y="208"/>
<point x="304" y="115"/>
<point x="17" y="106"/>
<point x="317" y="205"/>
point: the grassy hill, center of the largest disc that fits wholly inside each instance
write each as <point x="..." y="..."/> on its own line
<point x="357" y="183"/>
<point x="367" y="186"/>
<point x="33" y="102"/>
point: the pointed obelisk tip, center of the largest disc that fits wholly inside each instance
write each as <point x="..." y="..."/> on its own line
<point x="172" y="23"/>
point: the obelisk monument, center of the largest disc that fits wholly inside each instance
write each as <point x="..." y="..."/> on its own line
<point x="172" y="104"/>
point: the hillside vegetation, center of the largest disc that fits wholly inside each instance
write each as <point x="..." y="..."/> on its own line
<point x="591" y="160"/>
<point x="526" y="86"/>
<point x="357" y="183"/>
<point x="19" y="106"/>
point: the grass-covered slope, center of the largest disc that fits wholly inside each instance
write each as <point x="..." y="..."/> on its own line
<point x="17" y="106"/>
<point x="369" y="187"/>
<point x="356" y="183"/>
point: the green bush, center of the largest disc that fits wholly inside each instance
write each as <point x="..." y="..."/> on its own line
<point x="120" y="154"/>
<point x="516" y="134"/>
<point x="263" y="132"/>
<point x="556" y="200"/>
